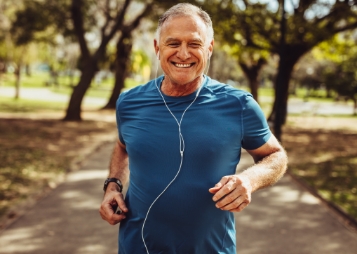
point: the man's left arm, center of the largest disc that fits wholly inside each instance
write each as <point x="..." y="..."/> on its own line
<point x="233" y="192"/>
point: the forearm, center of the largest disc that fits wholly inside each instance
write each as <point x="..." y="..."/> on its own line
<point x="113" y="198"/>
<point x="119" y="165"/>
<point x="233" y="192"/>
<point x="267" y="171"/>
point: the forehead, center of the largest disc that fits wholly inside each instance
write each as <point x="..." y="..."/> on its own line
<point x="184" y="27"/>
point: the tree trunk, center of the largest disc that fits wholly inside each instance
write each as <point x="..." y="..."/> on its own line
<point x="252" y="74"/>
<point x="281" y="85"/>
<point x="73" y="112"/>
<point x="254" y="84"/>
<point x="278" y="115"/>
<point x="124" y="47"/>
<point x="280" y="106"/>
<point x="17" y="81"/>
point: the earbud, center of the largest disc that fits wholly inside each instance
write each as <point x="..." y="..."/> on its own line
<point x="158" y="55"/>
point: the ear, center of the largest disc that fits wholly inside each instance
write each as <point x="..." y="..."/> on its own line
<point x="157" y="49"/>
<point x="210" y="48"/>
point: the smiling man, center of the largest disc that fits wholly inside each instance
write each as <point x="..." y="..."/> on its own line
<point x="180" y="140"/>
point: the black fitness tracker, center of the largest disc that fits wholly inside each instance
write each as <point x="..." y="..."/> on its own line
<point x="115" y="180"/>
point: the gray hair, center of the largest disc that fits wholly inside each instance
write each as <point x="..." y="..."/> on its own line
<point x="186" y="9"/>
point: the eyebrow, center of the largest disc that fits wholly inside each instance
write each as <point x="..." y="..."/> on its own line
<point x="175" y="40"/>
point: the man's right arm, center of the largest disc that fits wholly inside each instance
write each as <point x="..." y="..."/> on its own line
<point x="119" y="168"/>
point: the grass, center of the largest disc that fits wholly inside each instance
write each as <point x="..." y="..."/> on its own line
<point x="43" y="79"/>
<point x="102" y="91"/>
<point x="10" y="105"/>
<point x="38" y="79"/>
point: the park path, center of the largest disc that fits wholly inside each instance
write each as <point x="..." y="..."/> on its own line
<point x="283" y="219"/>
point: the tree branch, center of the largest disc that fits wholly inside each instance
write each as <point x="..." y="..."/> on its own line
<point x="119" y="20"/>
<point x="108" y="17"/>
<point x="137" y="20"/>
<point x="77" y="19"/>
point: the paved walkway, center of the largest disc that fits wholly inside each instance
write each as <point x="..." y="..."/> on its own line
<point x="284" y="219"/>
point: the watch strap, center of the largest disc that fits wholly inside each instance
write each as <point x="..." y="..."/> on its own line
<point x="114" y="180"/>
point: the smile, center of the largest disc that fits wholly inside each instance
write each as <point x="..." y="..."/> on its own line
<point x="183" y="65"/>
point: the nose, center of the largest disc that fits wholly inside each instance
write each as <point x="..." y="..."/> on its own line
<point x="183" y="53"/>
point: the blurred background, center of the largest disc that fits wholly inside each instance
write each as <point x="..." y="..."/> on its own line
<point x="64" y="63"/>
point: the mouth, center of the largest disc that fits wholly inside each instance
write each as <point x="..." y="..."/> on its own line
<point x="181" y="65"/>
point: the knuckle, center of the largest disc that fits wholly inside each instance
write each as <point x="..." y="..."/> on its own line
<point x="230" y="199"/>
<point x="229" y="187"/>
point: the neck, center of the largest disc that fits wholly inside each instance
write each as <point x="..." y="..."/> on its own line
<point x="173" y="89"/>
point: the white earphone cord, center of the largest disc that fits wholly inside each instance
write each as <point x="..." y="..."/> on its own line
<point x="182" y="148"/>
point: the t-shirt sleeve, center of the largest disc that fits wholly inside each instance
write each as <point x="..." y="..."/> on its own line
<point x="118" y="116"/>
<point x="256" y="131"/>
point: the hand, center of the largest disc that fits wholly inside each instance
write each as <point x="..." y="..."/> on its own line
<point x="111" y="201"/>
<point x="232" y="193"/>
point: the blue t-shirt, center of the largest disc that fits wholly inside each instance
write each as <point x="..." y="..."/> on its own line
<point x="218" y="124"/>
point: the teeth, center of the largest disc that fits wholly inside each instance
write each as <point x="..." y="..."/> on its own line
<point x="183" y="65"/>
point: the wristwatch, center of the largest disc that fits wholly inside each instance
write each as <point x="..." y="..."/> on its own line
<point x="115" y="180"/>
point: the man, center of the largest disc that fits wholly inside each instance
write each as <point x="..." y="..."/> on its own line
<point x="181" y="136"/>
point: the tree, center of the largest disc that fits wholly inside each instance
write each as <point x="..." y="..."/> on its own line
<point x="337" y="68"/>
<point x="89" y="61"/>
<point x="11" y="53"/>
<point x="37" y="23"/>
<point x="343" y="79"/>
<point x="123" y="50"/>
<point x="309" y="23"/>
<point x="250" y="59"/>
<point x="114" y="20"/>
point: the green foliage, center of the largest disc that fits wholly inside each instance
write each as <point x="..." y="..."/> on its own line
<point x="139" y="61"/>
<point x="337" y="64"/>
<point x="338" y="49"/>
<point x="41" y="21"/>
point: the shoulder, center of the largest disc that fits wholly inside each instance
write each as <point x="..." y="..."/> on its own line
<point x="140" y="90"/>
<point x="221" y="89"/>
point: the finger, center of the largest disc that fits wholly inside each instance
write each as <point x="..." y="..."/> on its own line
<point x="214" y="189"/>
<point x="116" y="218"/>
<point x="121" y="203"/>
<point x="219" y="185"/>
<point x="228" y="187"/>
<point x="240" y="208"/>
<point x="108" y="214"/>
<point x="230" y="200"/>
<point x="235" y="204"/>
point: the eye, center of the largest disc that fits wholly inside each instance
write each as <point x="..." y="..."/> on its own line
<point x="195" y="45"/>
<point x="173" y="45"/>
